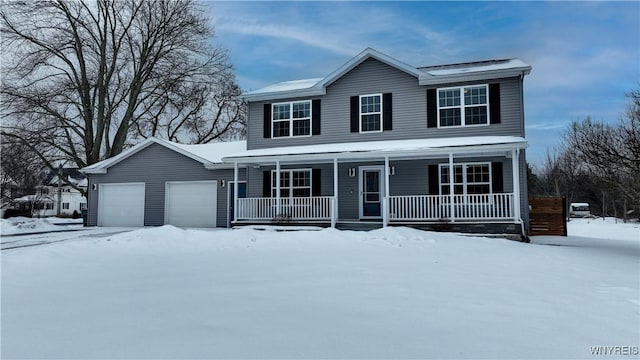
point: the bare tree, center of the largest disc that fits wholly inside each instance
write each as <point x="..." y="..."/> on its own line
<point x="611" y="152"/>
<point x="81" y="80"/>
<point x="20" y="170"/>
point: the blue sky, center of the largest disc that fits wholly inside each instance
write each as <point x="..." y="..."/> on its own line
<point x="585" y="55"/>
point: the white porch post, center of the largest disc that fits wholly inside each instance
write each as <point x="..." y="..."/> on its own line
<point x="515" y="166"/>
<point x="334" y="208"/>
<point x="277" y="187"/>
<point x="385" y="203"/>
<point x="451" y="207"/>
<point x="235" y="191"/>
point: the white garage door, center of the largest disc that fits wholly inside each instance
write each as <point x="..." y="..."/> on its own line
<point x="121" y="204"/>
<point x="191" y="203"/>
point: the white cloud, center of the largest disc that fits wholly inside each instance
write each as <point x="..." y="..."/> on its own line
<point x="340" y="28"/>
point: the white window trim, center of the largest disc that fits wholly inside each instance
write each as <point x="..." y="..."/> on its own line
<point x="360" y="113"/>
<point x="291" y="171"/>
<point x="462" y="107"/>
<point x="291" y="119"/>
<point x="464" y="177"/>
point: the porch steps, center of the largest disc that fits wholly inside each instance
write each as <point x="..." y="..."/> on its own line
<point x="359" y="226"/>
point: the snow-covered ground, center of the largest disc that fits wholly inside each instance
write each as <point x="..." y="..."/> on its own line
<point x="22" y="225"/>
<point x="389" y="293"/>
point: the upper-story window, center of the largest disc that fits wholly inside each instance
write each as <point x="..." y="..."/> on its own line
<point x="291" y="119"/>
<point x="463" y="106"/>
<point x="371" y="113"/>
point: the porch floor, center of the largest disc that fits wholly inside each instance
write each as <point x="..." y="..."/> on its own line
<point x="496" y="227"/>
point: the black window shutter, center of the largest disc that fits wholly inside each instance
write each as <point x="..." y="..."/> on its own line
<point x="497" y="183"/>
<point x="355" y="114"/>
<point x="434" y="181"/>
<point x="266" y="183"/>
<point x="387" y="111"/>
<point x="432" y="108"/>
<point x="315" y="113"/>
<point x="494" y="103"/>
<point x="316" y="184"/>
<point x="267" y="121"/>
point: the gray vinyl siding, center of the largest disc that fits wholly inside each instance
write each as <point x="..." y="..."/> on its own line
<point x="409" y="110"/>
<point x="154" y="166"/>
<point x="411" y="178"/>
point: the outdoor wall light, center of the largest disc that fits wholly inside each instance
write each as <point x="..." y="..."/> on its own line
<point x="94" y="186"/>
<point x="223" y="183"/>
<point x="352" y="172"/>
<point x="392" y="170"/>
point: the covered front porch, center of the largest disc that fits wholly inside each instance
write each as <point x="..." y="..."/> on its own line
<point x="383" y="183"/>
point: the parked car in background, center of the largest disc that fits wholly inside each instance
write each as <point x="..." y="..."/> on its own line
<point x="579" y="210"/>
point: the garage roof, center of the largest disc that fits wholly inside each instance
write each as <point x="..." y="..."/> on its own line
<point x="210" y="155"/>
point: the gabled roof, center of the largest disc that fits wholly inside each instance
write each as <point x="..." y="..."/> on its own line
<point x="73" y="175"/>
<point x="317" y="87"/>
<point x="210" y="155"/>
<point x="427" y="75"/>
<point x="360" y="58"/>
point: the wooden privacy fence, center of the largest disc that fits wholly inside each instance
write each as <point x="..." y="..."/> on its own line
<point x="548" y="216"/>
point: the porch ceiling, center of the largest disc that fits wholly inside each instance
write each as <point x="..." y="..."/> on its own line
<point x="375" y="150"/>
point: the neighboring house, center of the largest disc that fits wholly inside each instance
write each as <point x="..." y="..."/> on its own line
<point x="372" y="144"/>
<point x="46" y="198"/>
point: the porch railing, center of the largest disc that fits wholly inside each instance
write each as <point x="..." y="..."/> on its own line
<point x="401" y="208"/>
<point x="438" y="207"/>
<point x="318" y="208"/>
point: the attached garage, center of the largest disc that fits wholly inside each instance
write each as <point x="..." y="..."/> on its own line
<point x="159" y="182"/>
<point x="121" y="204"/>
<point x="191" y="203"/>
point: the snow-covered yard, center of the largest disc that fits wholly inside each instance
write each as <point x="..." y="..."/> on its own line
<point x="390" y="293"/>
<point x="22" y="225"/>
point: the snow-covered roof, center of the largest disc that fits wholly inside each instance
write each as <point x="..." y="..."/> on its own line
<point x="210" y="155"/>
<point x="211" y="152"/>
<point x="32" y="198"/>
<point x="427" y="75"/>
<point x="371" y="149"/>
<point x="580" y="204"/>
<point x="285" y="86"/>
<point x="471" y="71"/>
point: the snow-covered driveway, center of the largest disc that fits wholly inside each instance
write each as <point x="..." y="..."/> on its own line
<point x="390" y="293"/>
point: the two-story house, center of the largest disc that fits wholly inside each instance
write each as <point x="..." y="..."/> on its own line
<point x="53" y="191"/>
<point x="377" y="142"/>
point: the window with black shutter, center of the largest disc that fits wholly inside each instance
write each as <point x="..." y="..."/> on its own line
<point x="372" y="113"/>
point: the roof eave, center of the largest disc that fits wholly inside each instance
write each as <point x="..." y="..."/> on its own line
<point x="427" y="79"/>
<point x="94" y="171"/>
<point x="220" y="166"/>
<point x="377" y="153"/>
<point x="313" y="91"/>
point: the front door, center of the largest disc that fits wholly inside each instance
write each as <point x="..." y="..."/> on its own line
<point x="242" y="193"/>
<point x="371" y="192"/>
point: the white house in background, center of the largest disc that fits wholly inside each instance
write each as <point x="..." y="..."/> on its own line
<point x="45" y="201"/>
